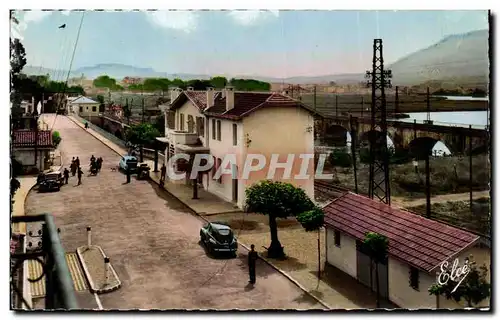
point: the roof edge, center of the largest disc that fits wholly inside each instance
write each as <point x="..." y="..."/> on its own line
<point x="468" y="246"/>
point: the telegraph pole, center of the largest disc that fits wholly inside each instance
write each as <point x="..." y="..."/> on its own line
<point x="428" y="102"/>
<point x="354" y="131"/>
<point x="315" y="97"/>
<point x="379" y="185"/>
<point x="396" y="107"/>
<point x="470" y="167"/>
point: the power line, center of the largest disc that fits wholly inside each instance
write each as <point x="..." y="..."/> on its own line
<point x="71" y="63"/>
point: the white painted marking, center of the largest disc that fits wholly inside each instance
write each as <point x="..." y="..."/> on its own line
<point x="99" y="304"/>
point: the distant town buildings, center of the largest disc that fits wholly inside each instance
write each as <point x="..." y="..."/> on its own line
<point x="131" y="80"/>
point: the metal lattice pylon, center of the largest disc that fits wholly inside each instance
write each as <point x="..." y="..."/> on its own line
<point x="379" y="185"/>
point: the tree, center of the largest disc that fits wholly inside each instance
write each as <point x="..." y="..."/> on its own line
<point x="141" y="134"/>
<point x="105" y="81"/>
<point x="276" y="200"/>
<point x="56" y="138"/>
<point x="313" y="220"/>
<point x="218" y="82"/>
<point x="100" y="99"/>
<point x="375" y="245"/>
<point x="473" y="289"/>
<point x="159" y="123"/>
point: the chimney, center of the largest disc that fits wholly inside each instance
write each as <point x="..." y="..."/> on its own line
<point x="229" y="94"/>
<point x="189" y="88"/>
<point x="174" y="93"/>
<point x="210" y="97"/>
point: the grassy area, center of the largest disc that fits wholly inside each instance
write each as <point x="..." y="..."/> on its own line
<point x="459" y="213"/>
<point x="405" y="182"/>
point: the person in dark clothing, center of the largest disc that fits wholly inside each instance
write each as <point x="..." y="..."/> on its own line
<point x="80" y="173"/>
<point x="252" y="258"/>
<point x="66" y="175"/>
<point x="77" y="161"/>
<point x="73" y="167"/>
<point x="86" y="125"/>
<point x="99" y="164"/>
<point x="128" y="174"/>
<point x="163" y="173"/>
<point x="92" y="159"/>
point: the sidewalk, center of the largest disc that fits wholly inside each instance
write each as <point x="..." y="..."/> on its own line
<point x="27" y="183"/>
<point x="335" y="290"/>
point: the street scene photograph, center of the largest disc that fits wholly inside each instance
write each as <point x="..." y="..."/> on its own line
<point x="250" y="160"/>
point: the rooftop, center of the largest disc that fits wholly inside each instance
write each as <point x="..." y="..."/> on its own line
<point x="26" y="139"/>
<point x="413" y="239"/>
<point x="244" y="103"/>
<point x="83" y="100"/>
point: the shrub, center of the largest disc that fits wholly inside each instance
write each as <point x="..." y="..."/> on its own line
<point x="56" y="138"/>
<point x="340" y="158"/>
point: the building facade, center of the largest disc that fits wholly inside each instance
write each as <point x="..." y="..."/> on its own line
<point x="232" y="127"/>
<point x="29" y="154"/>
<point x="417" y="248"/>
<point x="84" y="107"/>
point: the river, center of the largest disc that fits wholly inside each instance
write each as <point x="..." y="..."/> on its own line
<point x="477" y="119"/>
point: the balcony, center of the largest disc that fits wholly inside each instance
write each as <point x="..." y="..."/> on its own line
<point x="60" y="292"/>
<point x="182" y="137"/>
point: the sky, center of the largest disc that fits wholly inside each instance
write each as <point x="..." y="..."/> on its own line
<point x="266" y="43"/>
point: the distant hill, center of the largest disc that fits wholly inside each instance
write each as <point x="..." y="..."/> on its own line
<point x="455" y="59"/>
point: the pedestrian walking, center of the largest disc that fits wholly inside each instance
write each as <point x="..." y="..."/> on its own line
<point x="163" y="173"/>
<point x="66" y="175"/>
<point x="86" y="125"/>
<point x="252" y="258"/>
<point x="128" y="174"/>
<point x="77" y="161"/>
<point x="80" y="173"/>
<point x="73" y="167"/>
<point x="99" y="164"/>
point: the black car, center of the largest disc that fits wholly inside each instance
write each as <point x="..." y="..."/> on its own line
<point x="51" y="181"/>
<point x="218" y="238"/>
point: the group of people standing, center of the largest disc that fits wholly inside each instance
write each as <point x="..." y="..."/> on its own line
<point x="95" y="164"/>
<point x="75" y="169"/>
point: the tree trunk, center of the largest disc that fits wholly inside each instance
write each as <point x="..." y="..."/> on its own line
<point x="377" y="283"/>
<point x="275" y="250"/>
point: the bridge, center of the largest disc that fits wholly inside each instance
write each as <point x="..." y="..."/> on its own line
<point x="402" y="133"/>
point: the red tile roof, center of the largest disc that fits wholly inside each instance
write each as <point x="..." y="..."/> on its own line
<point x="26" y="139"/>
<point x="244" y="103"/>
<point x="418" y="241"/>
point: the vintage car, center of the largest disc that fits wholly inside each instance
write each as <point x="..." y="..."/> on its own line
<point x="129" y="162"/>
<point x="218" y="238"/>
<point x="143" y="171"/>
<point x="50" y="181"/>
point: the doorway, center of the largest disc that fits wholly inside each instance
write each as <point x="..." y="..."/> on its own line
<point x="235" y="183"/>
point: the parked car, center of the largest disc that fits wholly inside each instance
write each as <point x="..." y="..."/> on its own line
<point x="218" y="238"/>
<point x="128" y="162"/>
<point x="51" y="181"/>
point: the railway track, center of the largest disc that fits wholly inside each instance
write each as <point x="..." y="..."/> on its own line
<point x="326" y="191"/>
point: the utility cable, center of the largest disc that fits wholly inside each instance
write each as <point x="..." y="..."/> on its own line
<point x="71" y="63"/>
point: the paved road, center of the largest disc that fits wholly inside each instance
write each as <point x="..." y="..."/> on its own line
<point x="152" y="241"/>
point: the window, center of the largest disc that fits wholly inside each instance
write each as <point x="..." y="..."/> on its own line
<point x="190" y="124"/>
<point x="336" y="236"/>
<point x="200" y="126"/>
<point x="181" y="122"/>
<point x="235" y="134"/>
<point x="87" y="108"/>
<point x="218" y="130"/>
<point x="213" y="129"/>
<point x="94" y="109"/>
<point x="81" y="109"/>
<point x="414" y="278"/>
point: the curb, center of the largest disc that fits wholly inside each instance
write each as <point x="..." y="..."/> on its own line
<point x="198" y="214"/>
<point x="93" y="135"/>
<point x="93" y="287"/>
<point x="203" y="217"/>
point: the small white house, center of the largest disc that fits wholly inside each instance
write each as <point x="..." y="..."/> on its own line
<point x="417" y="248"/>
<point x="84" y="107"/>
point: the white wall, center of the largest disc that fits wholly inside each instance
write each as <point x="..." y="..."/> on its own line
<point x="87" y="109"/>
<point x="188" y="109"/>
<point x="220" y="149"/>
<point x="27" y="157"/>
<point x="400" y="291"/>
<point x="343" y="257"/>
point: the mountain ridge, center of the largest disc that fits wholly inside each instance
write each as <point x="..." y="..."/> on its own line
<point x="439" y="61"/>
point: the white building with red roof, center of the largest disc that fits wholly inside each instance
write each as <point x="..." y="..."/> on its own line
<point x="230" y="123"/>
<point x="416" y="249"/>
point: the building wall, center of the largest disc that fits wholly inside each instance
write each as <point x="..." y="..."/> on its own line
<point x="86" y="109"/>
<point x="221" y="149"/>
<point x="283" y="131"/>
<point x="27" y="157"/>
<point x="400" y="291"/>
<point x="343" y="257"/>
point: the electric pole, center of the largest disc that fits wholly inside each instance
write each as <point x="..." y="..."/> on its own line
<point x="314" y="97"/>
<point x="379" y="185"/>
<point x="428" y="102"/>
<point x="396" y="107"/>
